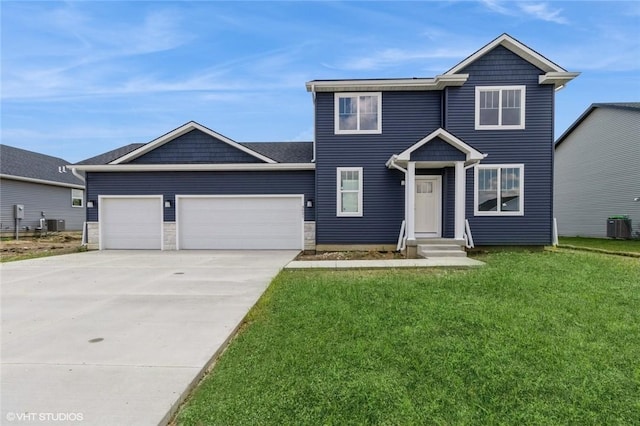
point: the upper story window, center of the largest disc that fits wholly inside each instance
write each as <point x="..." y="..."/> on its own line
<point x="77" y="198"/>
<point x="358" y="113"/>
<point x="500" y="107"/>
<point x="349" y="191"/>
<point x="499" y="190"/>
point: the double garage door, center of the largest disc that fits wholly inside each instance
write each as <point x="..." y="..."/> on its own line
<point x="204" y="222"/>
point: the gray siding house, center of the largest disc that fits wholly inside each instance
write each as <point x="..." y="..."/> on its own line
<point x="465" y="154"/>
<point x="597" y="170"/>
<point x="43" y="185"/>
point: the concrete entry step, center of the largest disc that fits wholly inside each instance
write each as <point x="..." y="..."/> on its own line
<point x="441" y="250"/>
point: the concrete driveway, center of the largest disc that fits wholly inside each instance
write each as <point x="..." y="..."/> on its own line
<point x="117" y="337"/>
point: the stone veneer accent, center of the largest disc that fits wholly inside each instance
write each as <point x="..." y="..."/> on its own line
<point x="169" y="236"/>
<point x="93" y="236"/>
<point x="310" y="236"/>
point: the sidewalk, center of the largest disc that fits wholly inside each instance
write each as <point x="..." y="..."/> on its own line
<point x="391" y="263"/>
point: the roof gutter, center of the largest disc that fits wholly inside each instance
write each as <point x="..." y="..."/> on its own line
<point x="194" y="167"/>
<point x="398" y="84"/>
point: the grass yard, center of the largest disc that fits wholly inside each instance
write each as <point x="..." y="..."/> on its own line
<point x="531" y="338"/>
<point x="628" y="246"/>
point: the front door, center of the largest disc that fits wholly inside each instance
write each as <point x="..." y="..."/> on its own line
<point x="428" y="205"/>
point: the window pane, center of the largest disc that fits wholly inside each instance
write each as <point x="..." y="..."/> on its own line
<point x="349" y="181"/>
<point x="487" y="190"/>
<point x="368" y="112"/>
<point x="510" y="190"/>
<point x="511" y="107"/>
<point x="489" y="107"/>
<point x="348" y="113"/>
<point x="349" y="202"/>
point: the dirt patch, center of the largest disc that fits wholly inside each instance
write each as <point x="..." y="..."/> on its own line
<point x="36" y="246"/>
<point x="351" y="255"/>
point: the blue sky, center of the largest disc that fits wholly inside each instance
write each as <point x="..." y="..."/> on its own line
<point x="81" y="78"/>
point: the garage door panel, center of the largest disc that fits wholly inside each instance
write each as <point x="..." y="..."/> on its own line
<point x="131" y="223"/>
<point x="250" y="222"/>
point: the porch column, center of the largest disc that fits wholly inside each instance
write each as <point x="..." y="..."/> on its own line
<point x="460" y="204"/>
<point x="411" y="201"/>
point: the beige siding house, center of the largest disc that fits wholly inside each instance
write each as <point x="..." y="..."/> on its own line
<point x="597" y="170"/>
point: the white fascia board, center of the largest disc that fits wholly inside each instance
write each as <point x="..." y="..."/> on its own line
<point x="516" y="47"/>
<point x="194" y="167"/>
<point x="471" y="153"/>
<point x="401" y="84"/>
<point x="558" y="79"/>
<point x="41" y="181"/>
<point x="192" y="125"/>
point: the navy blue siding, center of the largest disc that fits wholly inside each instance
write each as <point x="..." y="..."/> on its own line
<point x="437" y="150"/>
<point x="532" y="146"/>
<point x="196" y="147"/>
<point x="407" y="117"/>
<point x="200" y="183"/>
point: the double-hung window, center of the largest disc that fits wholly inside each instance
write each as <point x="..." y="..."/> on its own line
<point x="499" y="190"/>
<point x="349" y="191"/>
<point x="358" y="113"/>
<point x="77" y="198"/>
<point x="500" y="107"/>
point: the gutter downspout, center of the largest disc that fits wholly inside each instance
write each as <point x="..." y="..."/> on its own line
<point x="78" y="175"/>
<point x="403" y="230"/>
<point x="315" y="119"/>
<point x="84" y="225"/>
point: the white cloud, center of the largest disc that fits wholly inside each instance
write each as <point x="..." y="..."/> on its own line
<point x="540" y="10"/>
<point x="394" y="57"/>
<point x="543" y="12"/>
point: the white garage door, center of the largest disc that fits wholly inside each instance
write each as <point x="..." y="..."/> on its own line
<point x="130" y="223"/>
<point x="240" y="222"/>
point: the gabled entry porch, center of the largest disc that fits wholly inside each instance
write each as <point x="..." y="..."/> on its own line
<point x="430" y="192"/>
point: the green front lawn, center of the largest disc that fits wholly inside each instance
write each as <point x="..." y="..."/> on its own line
<point x="531" y="338"/>
<point x="628" y="246"/>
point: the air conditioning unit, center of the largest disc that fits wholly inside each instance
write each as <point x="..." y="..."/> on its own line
<point x="619" y="227"/>
<point x="55" y="225"/>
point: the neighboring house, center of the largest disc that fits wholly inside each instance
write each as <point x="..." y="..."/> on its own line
<point x="45" y="188"/>
<point x="597" y="170"/>
<point x="475" y="143"/>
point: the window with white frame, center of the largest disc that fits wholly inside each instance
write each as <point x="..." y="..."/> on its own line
<point x="358" y="113"/>
<point x="349" y="191"/>
<point x="499" y="190"/>
<point x="500" y="107"/>
<point x="77" y="198"/>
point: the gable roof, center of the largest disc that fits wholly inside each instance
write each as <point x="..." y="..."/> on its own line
<point x="186" y="128"/>
<point x="284" y="152"/>
<point x="554" y="73"/>
<point x="472" y="155"/>
<point x="29" y="166"/>
<point x="626" y="106"/>
<point x="112" y="155"/>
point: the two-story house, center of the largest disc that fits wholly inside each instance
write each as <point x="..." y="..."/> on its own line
<point x="468" y="153"/>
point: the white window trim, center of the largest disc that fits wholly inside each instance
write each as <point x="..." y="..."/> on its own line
<point x="336" y="109"/>
<point x="477" y="212"/>
<point x="81" y="198"/>
<point x="523" y="98"/>
<point x="339" y="211"/>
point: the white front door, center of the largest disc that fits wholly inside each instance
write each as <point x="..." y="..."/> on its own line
<point x="428" y="206"/>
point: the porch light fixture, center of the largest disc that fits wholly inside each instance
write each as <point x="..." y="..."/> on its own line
<point x="167" y="204"/>
<point x="309" y="203"/>
<point x="89" y="205"/>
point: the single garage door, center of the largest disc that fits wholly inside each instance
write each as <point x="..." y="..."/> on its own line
<point x="130" y="223"/>
<point x="240" y="222"/>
